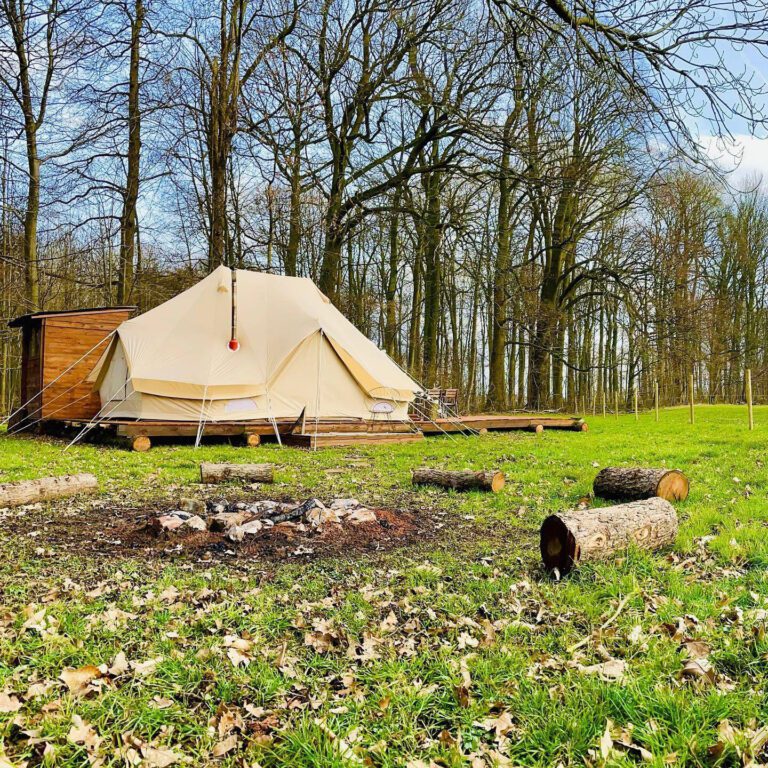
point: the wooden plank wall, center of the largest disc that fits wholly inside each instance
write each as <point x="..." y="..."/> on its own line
<point x="66" y="338"/>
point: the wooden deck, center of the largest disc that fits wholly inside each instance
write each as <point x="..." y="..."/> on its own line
<point x="339" y="439"/>
<point x="500" y="423"/>
<point x="261" y="427"/>
<point x="327" y="432"/>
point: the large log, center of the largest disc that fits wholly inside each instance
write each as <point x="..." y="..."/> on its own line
<point x="459" y="481"/>
<point x="252" y="473"/>
<point x="31" y="491"/>
<point x="632" y="483"/>
<point x="590" y="535"/>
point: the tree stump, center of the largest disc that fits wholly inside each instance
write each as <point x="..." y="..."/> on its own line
<point x="460" y="481"/>
<point x="252" y="473"/>
<point x="590" y="535"/>
<point x="31" y="491"/>
<point x="630" y="483"/>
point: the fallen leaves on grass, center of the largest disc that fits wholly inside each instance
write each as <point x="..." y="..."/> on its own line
<point x="83" y="733"/>
<point x="79" y="680"/>
<point x="699" y="669"/>
<point x="609" y="671"/>
<point x="224" y="746"/>
<point x="238" y="650"/>
<point x="9" y="703"/>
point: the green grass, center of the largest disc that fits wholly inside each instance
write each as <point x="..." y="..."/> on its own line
<point x="479" y="664"/>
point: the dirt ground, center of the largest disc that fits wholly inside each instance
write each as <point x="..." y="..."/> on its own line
<point x="107" y="531"/>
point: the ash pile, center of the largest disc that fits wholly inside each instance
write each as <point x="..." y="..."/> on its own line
<point x="238" y="520"/>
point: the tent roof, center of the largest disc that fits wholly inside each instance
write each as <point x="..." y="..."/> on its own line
<point x="180" y="348"/>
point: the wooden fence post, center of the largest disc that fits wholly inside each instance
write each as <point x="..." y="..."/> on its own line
<point x="656" y="398"/>
<point x="690" y="397"/>
<point x="750" y="415"/>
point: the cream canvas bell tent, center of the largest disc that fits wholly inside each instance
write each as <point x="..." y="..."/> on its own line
<point x="242" y="345"/>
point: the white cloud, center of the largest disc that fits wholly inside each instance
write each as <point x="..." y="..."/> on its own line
<point x="744" y="157"/>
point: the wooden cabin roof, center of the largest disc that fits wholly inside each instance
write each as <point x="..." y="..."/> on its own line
<point x="23" y="320"/>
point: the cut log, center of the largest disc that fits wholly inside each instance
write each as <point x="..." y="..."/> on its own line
<point x="537" y="428"/>
<point x="252" y="440"/>
<point x="631" y="483"/>
<point x="141" y="444"/>
<point x="580" y="426"/>
<point x="590" y="535"/>
<point x="31" y="491"/>
<point x="252" y="473"/>
<point x="460" y="481"/>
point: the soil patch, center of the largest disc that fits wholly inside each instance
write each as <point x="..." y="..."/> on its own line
<point x="109" y="531"/>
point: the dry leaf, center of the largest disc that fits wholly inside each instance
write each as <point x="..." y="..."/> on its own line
<point x="606" y="741"/>
<point x="699" y="669"/>
<point x="9" y="703"/>
<point x="390" y="623"/>
<point x="83" y="733"/>
<point x="158" y="758"/>
<point x="78" y="680"/>
<point x="610" y="671"/>
<point x="224" y="746"/>
<point x="238" y="658"/>
<point x="144" y="668"/>
<point x="696" y="649"/>
<point x="119" y="666"/>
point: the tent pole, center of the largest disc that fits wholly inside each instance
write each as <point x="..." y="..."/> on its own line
<point x="233" y="342"/>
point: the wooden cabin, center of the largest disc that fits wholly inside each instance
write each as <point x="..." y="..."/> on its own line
<point x="53" y="377"/>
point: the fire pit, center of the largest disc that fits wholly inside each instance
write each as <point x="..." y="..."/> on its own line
<point x="239" y="519"/>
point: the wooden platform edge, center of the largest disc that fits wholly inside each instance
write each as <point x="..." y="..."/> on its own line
<point x="346" y="439"/>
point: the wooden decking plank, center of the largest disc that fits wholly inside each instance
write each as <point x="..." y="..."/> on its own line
<point x="346" y="439"/>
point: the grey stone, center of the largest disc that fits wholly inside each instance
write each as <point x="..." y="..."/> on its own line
<point x="195" y="506"/>
<point x="196" y="523"/>
<point x="344" y="503"/>
<point x="217" y="506"/>
<point x="236" y="533"/>
<point x="251" y="528"/>
<point x="361" y="515"/>
<point x="226" y="520"/>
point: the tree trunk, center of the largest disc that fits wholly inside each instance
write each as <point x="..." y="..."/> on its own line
<point x="460" y="481"/>
<point x="390" y="293"/>
<point x="252" y="473"/>
<point x="432" y="278"/>
<point x="32" y="491"/>
<point x="591" y="535"/>
<point x="330" y="269"/>
<point x="641" y="483"/>
<point x="294" y="216"/>
<point x="128" y="223"/>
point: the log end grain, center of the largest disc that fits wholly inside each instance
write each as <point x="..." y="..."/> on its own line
<point x="581" y="426"/>
<point x="141" y="444"/>
<point x="558" y="546"/>
<point x="673" y="486"/>
<point x="537" y="428"/>
<point x="497" y="482"/>
<point x="253" y="440"/>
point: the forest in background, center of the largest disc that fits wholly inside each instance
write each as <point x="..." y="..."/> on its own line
<point x="507" y="196"/>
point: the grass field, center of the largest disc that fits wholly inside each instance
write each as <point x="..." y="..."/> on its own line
<point x="456" y="651"/>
